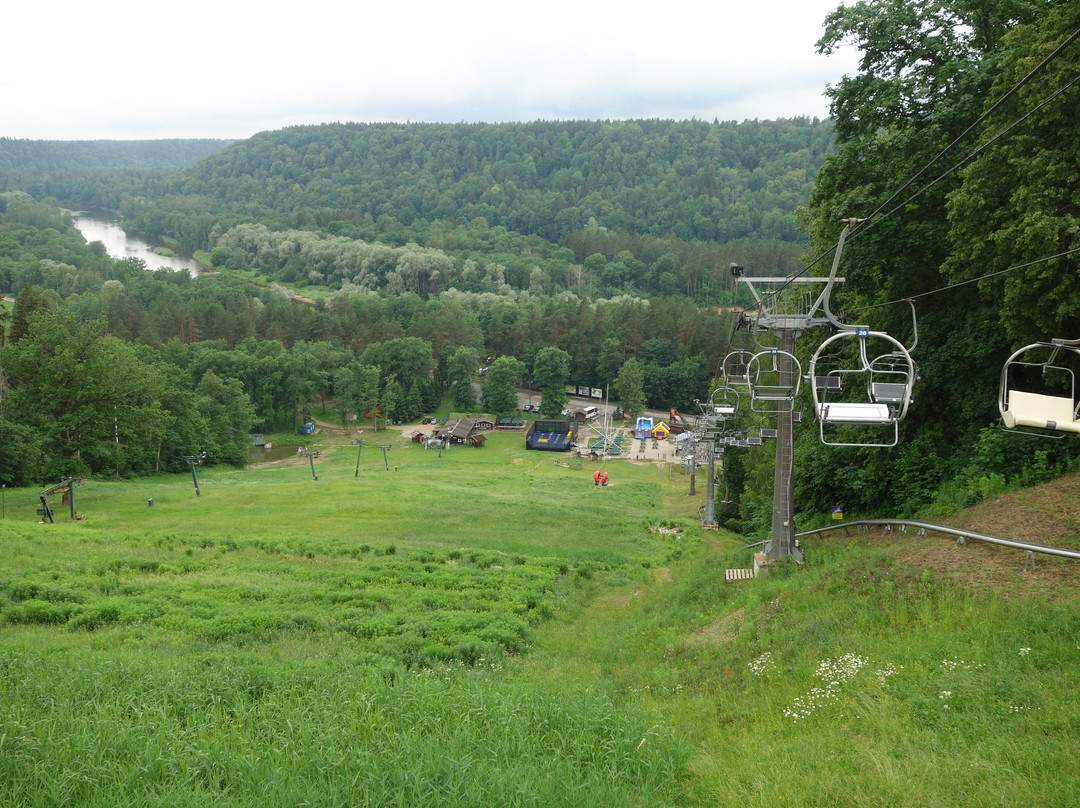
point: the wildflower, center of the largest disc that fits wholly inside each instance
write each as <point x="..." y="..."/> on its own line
<point x="1025" y="651"/>
<point x="761" y="665"/>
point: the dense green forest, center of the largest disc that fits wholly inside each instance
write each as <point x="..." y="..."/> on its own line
<point x="427" y="248"/>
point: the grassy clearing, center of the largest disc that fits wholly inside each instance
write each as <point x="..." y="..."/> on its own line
<point x="851" y="681"/>
<point x="490" y="628"/>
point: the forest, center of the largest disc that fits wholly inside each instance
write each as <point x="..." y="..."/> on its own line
<point x="355" y="264"/>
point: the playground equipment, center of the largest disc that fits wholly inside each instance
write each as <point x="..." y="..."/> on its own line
<point x="1038" y="389"/>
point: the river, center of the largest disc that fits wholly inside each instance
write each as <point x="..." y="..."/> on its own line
<point x="119" y="244"/>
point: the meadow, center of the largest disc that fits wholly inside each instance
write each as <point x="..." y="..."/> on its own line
<point x="487" y="627"/>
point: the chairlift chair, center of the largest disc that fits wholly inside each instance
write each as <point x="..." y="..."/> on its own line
<point x="774" y="377"/>
<point x="1038" y="391"/>
<point x="867" y="393"/>
<point x="735" y="368"/>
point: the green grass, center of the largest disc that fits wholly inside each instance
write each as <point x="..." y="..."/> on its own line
<point x="490" y="628"/>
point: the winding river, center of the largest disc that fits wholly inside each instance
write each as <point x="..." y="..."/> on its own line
<point x="119" y="244"/>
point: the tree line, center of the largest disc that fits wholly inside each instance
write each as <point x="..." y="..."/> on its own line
<point x="510" y="240"/>
<point x="166" y="365"/>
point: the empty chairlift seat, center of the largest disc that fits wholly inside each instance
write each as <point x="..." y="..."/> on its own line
<point x="888" y="392"/>
<point x="1040" y="411"/>
<point x="854" y="412"/>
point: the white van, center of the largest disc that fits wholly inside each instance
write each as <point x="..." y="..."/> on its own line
<point x="591" y="412"/>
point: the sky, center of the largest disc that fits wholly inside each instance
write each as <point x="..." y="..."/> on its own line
<point x="131" y="71"/>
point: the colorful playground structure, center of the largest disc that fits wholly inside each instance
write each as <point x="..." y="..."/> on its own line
<point x="646" y="428"/>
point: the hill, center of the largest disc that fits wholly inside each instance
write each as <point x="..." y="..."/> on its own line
<point x="711" y="182"/>
<point x="487" y="627"/>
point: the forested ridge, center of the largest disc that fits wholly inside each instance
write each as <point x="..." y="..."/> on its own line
<point x="95" y="173"/>
<point x="594" y="252"/>
<point x="690" y="179"/>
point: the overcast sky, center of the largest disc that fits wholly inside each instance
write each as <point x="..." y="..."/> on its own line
<point x="224" y="69"/>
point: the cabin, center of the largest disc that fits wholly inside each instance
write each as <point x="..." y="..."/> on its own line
<point x="464" y="431"/>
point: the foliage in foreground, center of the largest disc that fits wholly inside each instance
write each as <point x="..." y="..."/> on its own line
<point x="872" y="675"/>
<point x="100" y="730"/>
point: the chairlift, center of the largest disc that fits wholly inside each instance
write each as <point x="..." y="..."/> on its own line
<point x="723" y="404"/>
<point x="867" y="393"/>
<point x="870" y="393"/>
<point x="1038" y="391"/>
<point x="774" y="377"/>
<point x="735" y="369"/>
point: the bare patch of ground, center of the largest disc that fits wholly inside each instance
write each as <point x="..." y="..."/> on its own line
<point x="720" y="631"/>
<point x="1047" y="515"/>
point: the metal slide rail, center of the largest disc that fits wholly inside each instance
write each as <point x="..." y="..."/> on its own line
<point x="952" y="531"/>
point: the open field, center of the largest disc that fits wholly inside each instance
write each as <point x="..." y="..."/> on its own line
<point x="489" y="628"/>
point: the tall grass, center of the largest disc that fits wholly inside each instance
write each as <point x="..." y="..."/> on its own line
<point x="105" y="730"/>
<point x="491" y="628"/>
<point x="848" y="682"/>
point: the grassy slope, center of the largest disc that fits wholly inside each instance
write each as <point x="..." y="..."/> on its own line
<point x="881" y="673"/>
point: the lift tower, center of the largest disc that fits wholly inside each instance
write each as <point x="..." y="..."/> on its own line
<point x="787" y="308"/>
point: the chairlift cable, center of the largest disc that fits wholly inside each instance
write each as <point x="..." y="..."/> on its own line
<point x="950" y="287"/>
<point x="1009" y="93"/>
<point x="966" y="159"/>
<point x="982" y="118"/>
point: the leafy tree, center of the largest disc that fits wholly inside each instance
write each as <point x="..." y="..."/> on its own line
<point x="609" y="361"/>
<point x="461" y="370"/>
<point x="500" y="385"/>
<point x="1017" y="202"/>
<point x="630" y="388"/>
<point x="78" y="389"/>
<point x="28" y="302"/>
<point x="392" y="403"/>
<point x="408" y="359"/>
<point x="229" y="416"/>
<point x="551" y="370"/>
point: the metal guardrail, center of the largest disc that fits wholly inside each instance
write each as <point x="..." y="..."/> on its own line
<point x="962" y="535"/>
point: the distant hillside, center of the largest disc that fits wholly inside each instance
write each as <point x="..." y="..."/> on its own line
<point x="82" y="156"/>
<point x="687" y="179"/>
<point x="84" y="174"/>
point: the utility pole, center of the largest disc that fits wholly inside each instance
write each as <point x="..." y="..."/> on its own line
<point x="192" y="461"/>
<point x="359" y="448"/>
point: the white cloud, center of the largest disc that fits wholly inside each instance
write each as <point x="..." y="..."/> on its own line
<point x="226" y="69"/>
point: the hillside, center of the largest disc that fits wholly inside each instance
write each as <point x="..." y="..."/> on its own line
<point x="711" y="182"/>
<point x="468" y="627"/>
<point x="1047" y="514"/>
